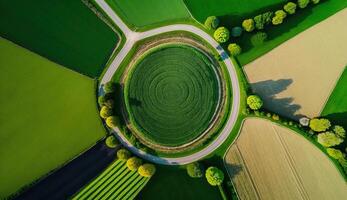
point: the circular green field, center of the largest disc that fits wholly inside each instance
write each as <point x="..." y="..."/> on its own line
<point x="172" y="94"/>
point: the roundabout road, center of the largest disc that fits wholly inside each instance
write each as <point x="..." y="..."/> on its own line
<point x="131" y="38"/>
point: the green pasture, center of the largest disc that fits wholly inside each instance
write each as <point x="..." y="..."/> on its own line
<point x="116" y="182"/>
<point x="64" y="31"/>
<point x="48" y="116"/>
<point x="336" y="107"/>
<point x="171" y="94"/>
<point x="140" y="14"/>
<point x="173" y="183"/>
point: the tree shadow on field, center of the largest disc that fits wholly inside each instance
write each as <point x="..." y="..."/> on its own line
<point x="66" y="181"/>
<point x="135" y="102"/>
<point x="338" y="118"/>
<point x="268" y="90"/>
<point x="234" y="169"/>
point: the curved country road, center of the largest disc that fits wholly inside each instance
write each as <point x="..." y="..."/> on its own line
<point x="131" y="38"/>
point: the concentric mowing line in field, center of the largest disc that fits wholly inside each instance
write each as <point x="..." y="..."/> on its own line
<point x="172" y="94"/>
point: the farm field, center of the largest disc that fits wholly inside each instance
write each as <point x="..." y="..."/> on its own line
<point x="172" y="183"/>
<point x="116" y="182"/>
<point x="336" y="107"/>
<point x="48" y="116"/>
<point x="278" y="163"/>
<point x="290" y="78"/>
<point x="172" y="94"/>
<point x="69" y="33"/>
<point x="141" y="14"/>
<point x="228" y="10"/>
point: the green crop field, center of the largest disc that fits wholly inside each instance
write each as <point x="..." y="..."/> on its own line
<point x="139" y="14"/>
<point x="227" y="9"/>
<point x="48" y="116"/>
<point x="172" y="94"/>
<point x="173" y="183"/>
<point x="116" y="182"/>
<point x="64" y="31"/>
<point x="336" y="107"/>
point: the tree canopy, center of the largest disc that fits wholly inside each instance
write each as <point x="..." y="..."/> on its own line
<point x="254" y="102"/>
<point x="319" y="125"/>
<point x="248" y="25"/>
<point x="133" y="163"/>
<point x="147" y="170"/>
<point x="105" y="112"/>
<point x="123" y="154"/>
<point x="211" y="22"/>
<point x="111" y="141"/>
<point x="195" y="170"/>
<point x="221" y="35"/>
<point x="214" y="176"/>
<point x="329" y="139"/>
<point x="234" y="49"/>
<point x="290" y="8"/>
<point x="112" y="121"/>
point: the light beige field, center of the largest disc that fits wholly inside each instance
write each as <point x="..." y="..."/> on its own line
<point x="272" y="162"/>
<point x="297" y="77"/>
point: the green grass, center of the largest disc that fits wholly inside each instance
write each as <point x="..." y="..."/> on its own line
<point x="48" y="116"/>
<point x="173" y="183"/>
<point x="116" y="182"/>
<point x="227" y="9"/>
<point x="336" y="107"/>
<point x="139" y="14"/>
<point x="66" y="32"/>
<point x="171" y="94"/>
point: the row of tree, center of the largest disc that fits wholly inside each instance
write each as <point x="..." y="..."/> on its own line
<point x="259" y="22"/>
<point x="106" y="103"/>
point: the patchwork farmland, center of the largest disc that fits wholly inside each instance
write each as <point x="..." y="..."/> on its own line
<point x="116" y="182"/>
<point x="291" y="77"/>
<point x="268" y="161"/>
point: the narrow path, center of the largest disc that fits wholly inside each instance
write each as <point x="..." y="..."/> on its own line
<point x="131" y="38"/>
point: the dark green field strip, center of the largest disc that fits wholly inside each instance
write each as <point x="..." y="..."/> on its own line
<point x="64" y="31"/>
<point x="336" y="107"/>
<point x="172" y="94"/>
<point x="113" y="193"/>
<point x="134" y="191"/>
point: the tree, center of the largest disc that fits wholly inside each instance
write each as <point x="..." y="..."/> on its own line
<point x="303" y="3"/>
<point x="112" y="121"/>
<point x="340" y="131"/>
<point x="315" y="1"/>
<point x="281" y="13"/>
<point x="109" y="103"/>
<point x="236" y="31"/>
<point x="195" y="170"/>
<point x="109" y="87"/>
<point x="133" y="163"/>
<point x="211" y="22"/>
<point x="105" y="112"/>
<point x="147" y="170"/>
<point x="221" y="35"/>
<point x="248" y="25"/>
<point x="234" y="49"/>
<point x="258" y="38"/>
<point x="123" y="154"/>
<point x="111" y="142"/>
<point x="319" y="125"/>
<point x="103" y="98"/>
<point x="262" y="20"/>
<point x="290" y="8"/>
<point x="254" y="102"/>
<point x="279" y="16"/>
<point x="329" y="139"/>
<point x="335" y="153"/>
<point x="214" y="176"/>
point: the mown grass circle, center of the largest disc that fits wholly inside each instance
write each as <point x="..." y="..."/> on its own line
<point x="172" y="94"/>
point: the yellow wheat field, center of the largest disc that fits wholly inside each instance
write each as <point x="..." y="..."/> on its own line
<point x="268" y="161"/>
<point x="297" y="77"/>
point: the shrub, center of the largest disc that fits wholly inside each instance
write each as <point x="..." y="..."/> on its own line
<point x="268" y="115"/>
<point x="254" y="102"/>
<point x="221" y="35"/>
<point x="112" y="121"/>
<point x="111" y="141"/>
<point x="123" y="154"/>
<point x="258" y="38"/>
<point x="303" y="3"/>
<point x="236" y="31"/>
<point x="275" y="117"/>
<point x="214" y="176"/>
<point x="329" y="139"/>
<point x="248" y="25"/>
<point x="147" y="170"/>
<point x="109" y="87"/>
<point x="211" y="22"/>
<point x="291" y="123"/>
<point x="290" y="8"/>
<point x="319" y="125"/>
<point x="195" y="170"/>
<point x="133" y="163"/>
<point x="257" y="113"/>
<point x="335" y="153"/>
<point x="262" y="20"/>
<point x="234" y="49"/>
<point x="105" y="112"/>
<point x="340" y="131"/>
<point x="315" y="1"/>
